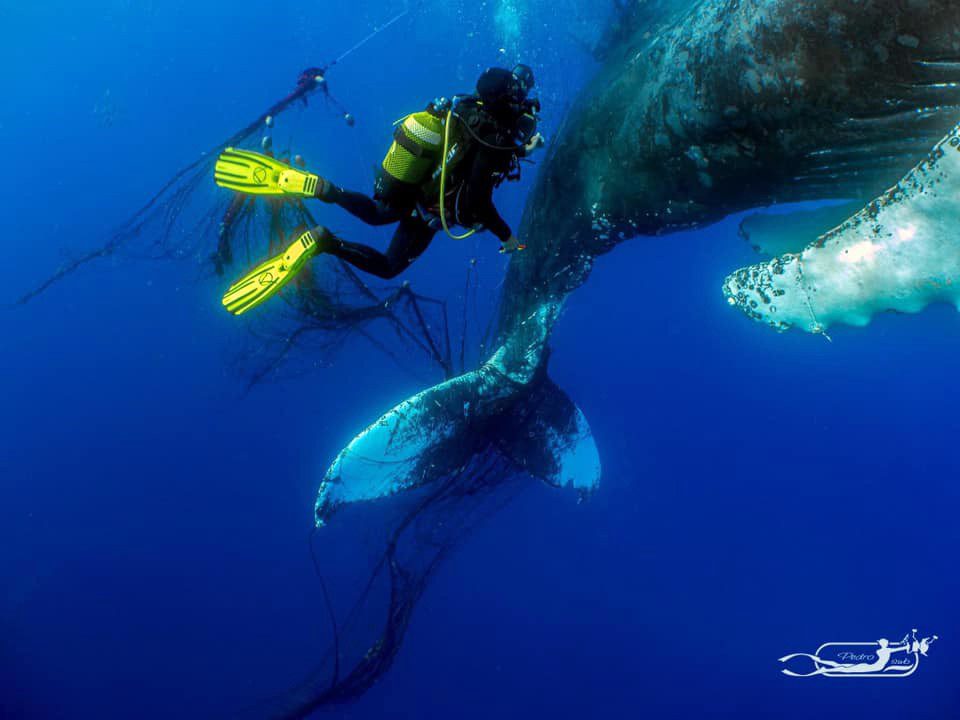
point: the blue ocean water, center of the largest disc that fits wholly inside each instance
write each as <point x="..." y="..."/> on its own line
<point x="762" y="494"/>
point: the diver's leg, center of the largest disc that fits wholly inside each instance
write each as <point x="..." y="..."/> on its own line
<point x="409" y="241"/>
<point x="392" y="200"/>
<point x="372" y="212"/>
<point x="362" y="257"/>
<point x="413" y="236"/>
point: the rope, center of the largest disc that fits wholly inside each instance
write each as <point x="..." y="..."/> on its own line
<point x="370" y="37"/>
<point x="817" y="328"/>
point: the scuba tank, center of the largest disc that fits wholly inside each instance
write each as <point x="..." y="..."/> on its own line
<point x="416" y="153"/>
<point x="417" y="144"/>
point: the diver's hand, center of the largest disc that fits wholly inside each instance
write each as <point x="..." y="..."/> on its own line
<point x="536" y="142"/>
<point x="512" y="245"/>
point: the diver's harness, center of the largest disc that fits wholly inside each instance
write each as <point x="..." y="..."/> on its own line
<point x="411" y="154"/>
<point x="525" y="131"/>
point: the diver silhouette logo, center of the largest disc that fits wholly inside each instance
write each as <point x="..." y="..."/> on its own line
<point x="865" y="659"/>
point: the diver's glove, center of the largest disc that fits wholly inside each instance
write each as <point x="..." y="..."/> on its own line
<point x="512" y="245"/>
<point x="535" y="143"/>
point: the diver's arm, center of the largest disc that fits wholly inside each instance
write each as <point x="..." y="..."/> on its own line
<point x="477" y="197"/>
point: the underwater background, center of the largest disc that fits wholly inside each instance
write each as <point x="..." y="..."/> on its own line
<point x="761" y="494"/>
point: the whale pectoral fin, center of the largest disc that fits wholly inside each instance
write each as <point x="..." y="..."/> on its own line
<point x="549" y="438"/>
<point x="777" y="233"/>
<point x="900" y="253"/>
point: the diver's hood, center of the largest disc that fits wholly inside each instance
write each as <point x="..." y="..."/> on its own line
<point x="500" y="88"/>
<point x="504" y="96"/>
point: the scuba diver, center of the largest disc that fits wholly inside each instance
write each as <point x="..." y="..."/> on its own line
<point x="441" y="170"/>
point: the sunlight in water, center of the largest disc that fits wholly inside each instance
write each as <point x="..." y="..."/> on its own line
<point x="508" y="19"/>
<point x="906" y="234"/>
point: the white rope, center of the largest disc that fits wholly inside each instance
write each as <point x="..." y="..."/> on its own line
<point x="371" y="36"/>
<point x="817" y="328"/>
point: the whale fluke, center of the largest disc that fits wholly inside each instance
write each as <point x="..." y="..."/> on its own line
<point x="507" y="406"/>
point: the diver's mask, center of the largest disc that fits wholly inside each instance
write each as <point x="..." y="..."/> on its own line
<point x="524" y="81"/>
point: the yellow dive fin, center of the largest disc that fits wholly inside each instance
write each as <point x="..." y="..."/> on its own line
<point x="255" y="174"/>
<point x="268" y="278"/>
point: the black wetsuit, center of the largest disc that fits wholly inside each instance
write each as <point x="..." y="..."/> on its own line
<point x="476" y="177"/>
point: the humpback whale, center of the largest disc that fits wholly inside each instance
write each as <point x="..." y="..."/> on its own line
<point x="730" y="105"/>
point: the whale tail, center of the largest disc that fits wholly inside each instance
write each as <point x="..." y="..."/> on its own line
<point x="457" y="451"/>
<point x="441" y="431"/>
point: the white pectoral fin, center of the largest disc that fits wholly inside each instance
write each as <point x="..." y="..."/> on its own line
<point x="900" y="253"/>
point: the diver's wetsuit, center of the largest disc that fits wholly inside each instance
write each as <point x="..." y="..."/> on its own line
<point x="393" y="202"/>
<point x="412" y="237"/>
